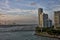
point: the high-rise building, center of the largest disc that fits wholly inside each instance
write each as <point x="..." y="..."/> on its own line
<point x="40" y="17"/>
<point x="43" y="19"/>
<point x="49" y="23"/>
<point x="57" y="19"/>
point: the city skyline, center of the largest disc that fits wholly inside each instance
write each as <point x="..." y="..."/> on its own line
<point x="43" y="19"/>
<point x="28" y="9"/>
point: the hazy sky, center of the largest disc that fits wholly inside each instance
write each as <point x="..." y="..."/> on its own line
<point x="25" y="11"/>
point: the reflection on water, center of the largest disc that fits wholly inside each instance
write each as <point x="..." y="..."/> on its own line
<point x="21" y="35"/>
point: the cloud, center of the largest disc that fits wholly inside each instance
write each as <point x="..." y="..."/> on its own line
<point x="19" y="0"/>
<point x="9" y="16"/>
<point x="56" y="8"/>
<point x="28" y="9"/>
<point x="33" y="3"/>
<point x="16" y="11"/>
<point x="17" y="18"/>
<point x="4" y="4"/>
<point x="7" y="4"/>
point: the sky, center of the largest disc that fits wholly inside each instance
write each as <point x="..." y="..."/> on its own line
<point x="26" y="11"/>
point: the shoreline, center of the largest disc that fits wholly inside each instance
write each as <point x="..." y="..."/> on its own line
<point x="50" y="36"/>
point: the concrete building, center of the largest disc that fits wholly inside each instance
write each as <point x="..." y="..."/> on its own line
<point x="57" y="19"/>
<point x="43" y="19"/>
<point x="46" y="21"/>
<point x="49" y="23"/>
<point x="40" y="17"/>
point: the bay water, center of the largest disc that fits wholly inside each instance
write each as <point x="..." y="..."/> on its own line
<point x="6" y="34"/>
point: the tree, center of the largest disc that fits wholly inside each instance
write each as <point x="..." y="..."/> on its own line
<point x="38" y="29"/>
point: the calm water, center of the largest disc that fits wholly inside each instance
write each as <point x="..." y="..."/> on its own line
<point x="21" y="35"/>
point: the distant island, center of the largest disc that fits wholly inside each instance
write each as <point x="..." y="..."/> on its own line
<point x="13" y="25"/>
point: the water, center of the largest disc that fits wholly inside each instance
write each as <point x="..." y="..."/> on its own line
<point x="21" y="35"/>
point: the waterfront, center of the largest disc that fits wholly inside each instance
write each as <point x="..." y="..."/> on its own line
<point x="21" y="35"/>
